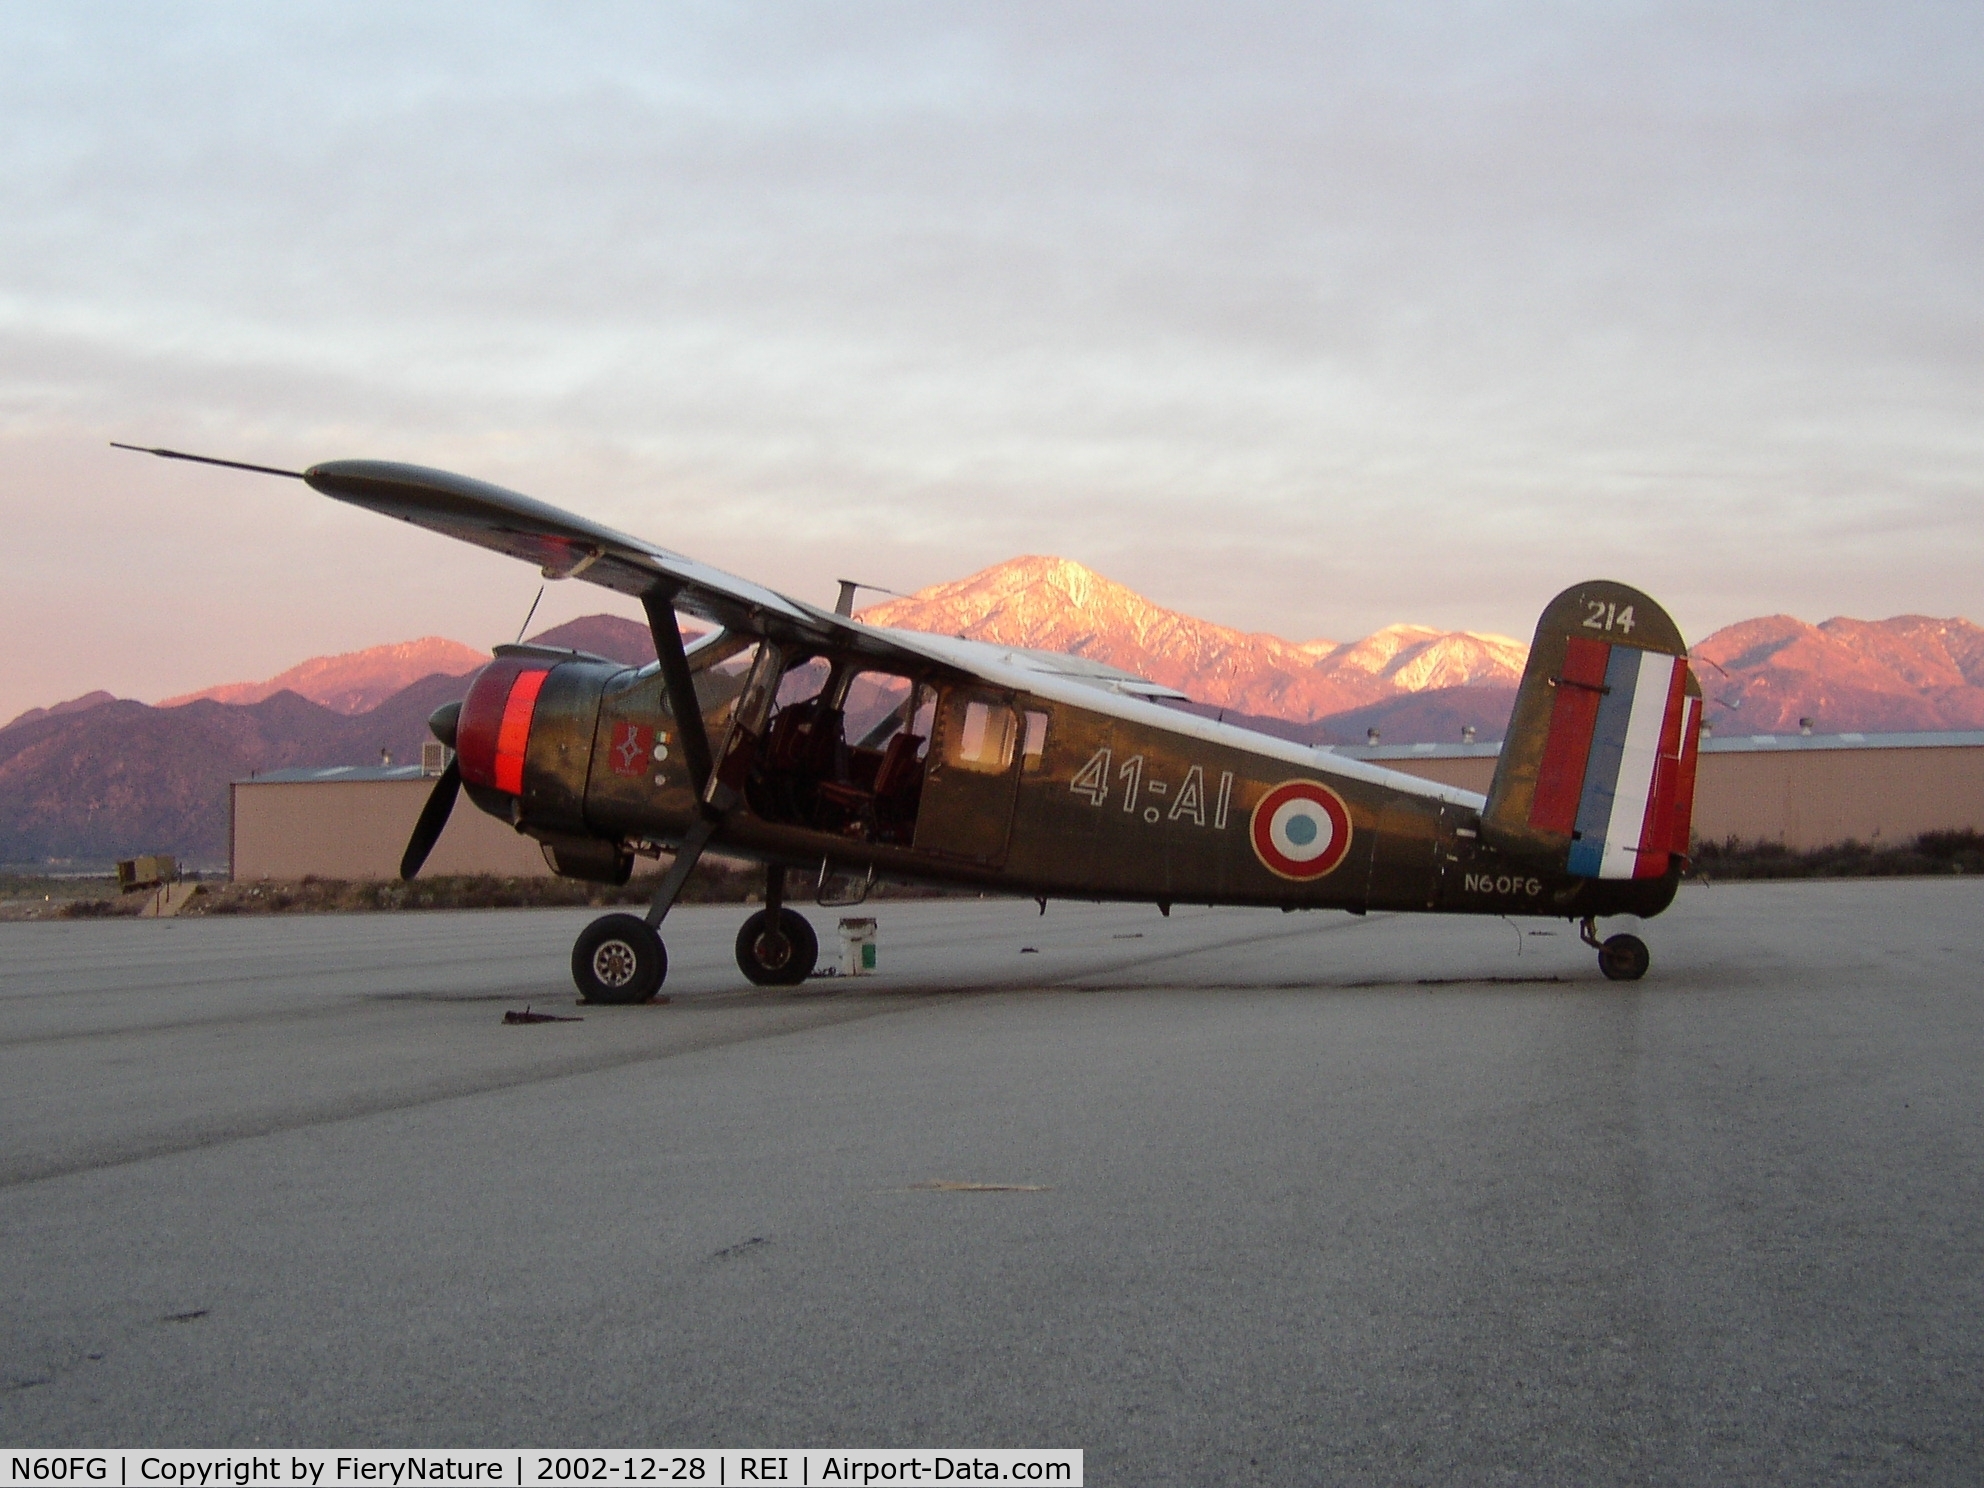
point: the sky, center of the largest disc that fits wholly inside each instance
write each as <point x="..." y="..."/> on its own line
<point x="1300" y="318"/>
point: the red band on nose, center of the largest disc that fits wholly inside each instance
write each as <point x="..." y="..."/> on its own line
<point x="514" y="734"/>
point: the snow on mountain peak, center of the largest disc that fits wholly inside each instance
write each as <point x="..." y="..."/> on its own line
<point x="1059" y="605"/>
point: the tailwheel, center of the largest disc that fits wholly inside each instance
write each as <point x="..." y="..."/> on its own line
<point x="1623" y="958"/>
<point x="777" y="948"/>
<point x="619" y="959"/>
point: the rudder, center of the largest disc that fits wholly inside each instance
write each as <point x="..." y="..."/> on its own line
<point x="1597" y="773"/>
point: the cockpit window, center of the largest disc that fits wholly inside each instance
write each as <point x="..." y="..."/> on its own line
<point x="878" y="707"/>
<point x="804" y="682"/>
<point x="719" y="681"/>
<point x="843" y="753"/>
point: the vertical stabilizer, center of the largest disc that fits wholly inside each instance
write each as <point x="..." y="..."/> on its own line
<point x="1597" y="774"/>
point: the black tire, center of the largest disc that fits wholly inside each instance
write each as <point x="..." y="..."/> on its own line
<point x="1624" y="958"/>
<point x="618" y="959"/>
<point x="777" y="956"/>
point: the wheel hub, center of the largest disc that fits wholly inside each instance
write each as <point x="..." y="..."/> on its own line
<point x="614" y="963"/>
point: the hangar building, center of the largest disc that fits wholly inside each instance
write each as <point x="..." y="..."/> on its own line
<point x="353" y="822"/>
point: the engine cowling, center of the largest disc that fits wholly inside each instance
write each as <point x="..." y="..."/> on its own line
<point x="524" y="743"/>
<point x="492" y="736"/>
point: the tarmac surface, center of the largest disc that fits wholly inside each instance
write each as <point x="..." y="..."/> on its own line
<point x="1286" y="1199"/>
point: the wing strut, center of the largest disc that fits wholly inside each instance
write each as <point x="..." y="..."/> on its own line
<point x="659" y="603"/>
<point x="681" y="685"/>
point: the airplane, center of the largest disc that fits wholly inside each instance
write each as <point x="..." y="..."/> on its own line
<point x="799" y="738"/>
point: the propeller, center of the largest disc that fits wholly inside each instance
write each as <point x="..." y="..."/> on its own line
<point x="441" y="800"/>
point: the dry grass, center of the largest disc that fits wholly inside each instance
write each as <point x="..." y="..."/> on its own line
<point x="1930" y="853"/>
<point x="37" y="896"/>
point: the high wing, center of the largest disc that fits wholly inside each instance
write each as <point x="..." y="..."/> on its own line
<point x="562" y="545"/>
<point x="565" y="546"/>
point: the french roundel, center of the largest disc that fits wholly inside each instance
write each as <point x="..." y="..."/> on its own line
<point x="1301" y="829"/>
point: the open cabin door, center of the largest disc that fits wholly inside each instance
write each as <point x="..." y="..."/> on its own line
<point x="971" y="785"/>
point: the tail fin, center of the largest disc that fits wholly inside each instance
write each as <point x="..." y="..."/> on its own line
<point x="1597" y="773"/>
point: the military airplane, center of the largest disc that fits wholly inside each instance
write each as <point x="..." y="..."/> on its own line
<point x="799" y="738"/>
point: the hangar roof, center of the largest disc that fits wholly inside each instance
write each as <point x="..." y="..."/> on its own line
<point x="311" y="775"/>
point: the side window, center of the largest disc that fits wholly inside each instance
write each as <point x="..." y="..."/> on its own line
<point x="877" y="706"/>
<point x="1035" y="748"/>
<point x="979" y="734"/>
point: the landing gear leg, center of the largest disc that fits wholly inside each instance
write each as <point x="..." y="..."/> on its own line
<point x="686" y="857"/>
<point x="1623" y="958"/>
<point x="620" y="957"/>
<point x="776" y="947"/>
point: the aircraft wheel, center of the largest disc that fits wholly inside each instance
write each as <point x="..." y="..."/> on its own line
<point x="777" y="954"/>
<point x="1624" y="958"/>
<point x="618" y="958"/>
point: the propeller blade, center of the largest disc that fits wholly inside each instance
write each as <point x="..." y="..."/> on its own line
<point x="433" y="817"/>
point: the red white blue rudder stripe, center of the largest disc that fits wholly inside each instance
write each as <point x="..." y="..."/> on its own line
<point x="1615" y="804"/>
<point x="1610" y="833"/>
<point x="1613" y="764"/>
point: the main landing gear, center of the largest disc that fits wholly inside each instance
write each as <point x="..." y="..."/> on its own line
<point x="776" y="947"/>
<point x="1623" y="958"/>
<point x="619" y="958"/>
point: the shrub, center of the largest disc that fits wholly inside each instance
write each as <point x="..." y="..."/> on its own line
<point x="1932" y="852"/>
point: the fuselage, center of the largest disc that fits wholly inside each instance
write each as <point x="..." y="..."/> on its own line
<point x="1028" y="790"/>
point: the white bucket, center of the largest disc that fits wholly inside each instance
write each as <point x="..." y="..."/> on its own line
<point x="857" y="948"/>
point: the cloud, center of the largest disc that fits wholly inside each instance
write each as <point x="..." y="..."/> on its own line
<point x="1303" y="318"/>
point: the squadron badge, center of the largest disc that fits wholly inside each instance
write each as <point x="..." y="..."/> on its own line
<point x="631" y="745"/>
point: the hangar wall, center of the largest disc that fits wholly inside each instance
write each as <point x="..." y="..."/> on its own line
<point x="354" y="824"/>
<point x="1804" y="791"/>
<point x="1826" y="796"/>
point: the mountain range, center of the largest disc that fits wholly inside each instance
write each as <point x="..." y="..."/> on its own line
<point x="1056" y="605"/>
<point x="354" y="682"/>
<point x="1911" y="672"/>
<point x="99" y="777"/>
